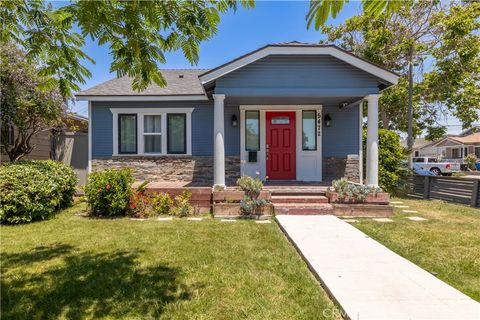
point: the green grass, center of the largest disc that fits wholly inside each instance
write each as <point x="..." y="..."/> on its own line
<point x="447" y="244"/>
<point x="74" y="267"/>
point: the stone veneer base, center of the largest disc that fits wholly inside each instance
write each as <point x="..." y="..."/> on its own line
<point x="195" y="169"/>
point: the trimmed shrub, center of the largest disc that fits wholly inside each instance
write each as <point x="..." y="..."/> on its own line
<point x="34" y="190"/>
<point x="183" y="208"/>
<point x="161" y="203"/>
<point x="108" y="192"/>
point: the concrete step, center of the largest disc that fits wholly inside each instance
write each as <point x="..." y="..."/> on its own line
<point x="303" y="208"/>
<point x="299" y="199"/>
<point x="297" y="192"/>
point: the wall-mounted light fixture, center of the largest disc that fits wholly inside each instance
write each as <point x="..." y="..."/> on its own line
<point x="327" y="120"/>
<point x="234" y="121"/>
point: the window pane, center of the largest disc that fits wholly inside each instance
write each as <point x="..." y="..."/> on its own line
<point x="152" y="124"/>
<point x="177" y="131"/>
<point x="280" y="120"/>
<point x="127" y="127"/>
<point x="252" y="130"/>
<point x="153" y="143"/>
<point x="309" y="132"/>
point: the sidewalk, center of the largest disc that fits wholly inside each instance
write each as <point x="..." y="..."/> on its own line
<point x="368" y="280"/>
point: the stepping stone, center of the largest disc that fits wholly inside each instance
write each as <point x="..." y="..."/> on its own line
<point x="228" y="220"/>
<point x="195" y="219"/>
<point x="383" y="220"/>
<point x="417" y="218"/>
<point x="263" y="221"/>
<point x="138" y="219"/>
<point x="350" y="220"/>
<point x="401" y="206"/>
<point x="396" y="202"/>
<point x="410" y="211"/>
<point x="164" y="218"/>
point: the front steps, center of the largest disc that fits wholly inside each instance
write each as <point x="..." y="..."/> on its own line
<point x="304" y="201"/>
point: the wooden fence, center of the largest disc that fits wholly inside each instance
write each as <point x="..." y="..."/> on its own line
<point x="450" y="189"/>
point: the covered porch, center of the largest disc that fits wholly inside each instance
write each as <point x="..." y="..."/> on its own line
<point x="296" y="142"/>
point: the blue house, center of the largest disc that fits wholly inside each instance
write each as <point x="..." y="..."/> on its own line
<point x="288" y="111"/>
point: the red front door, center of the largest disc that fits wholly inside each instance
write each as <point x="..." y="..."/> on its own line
<point x="280" y="145"/>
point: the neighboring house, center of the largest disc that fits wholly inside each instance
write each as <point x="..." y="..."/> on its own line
<point x="458" y="147"/>
<point x="286" y="111"/>
<point x="422" y="148"/>
<point x="68" y="144"/>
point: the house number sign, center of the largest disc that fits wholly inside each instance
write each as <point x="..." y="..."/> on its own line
<point x="319" y="124"/>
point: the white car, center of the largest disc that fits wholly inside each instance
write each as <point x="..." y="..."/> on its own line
<point x="436" y="167"/>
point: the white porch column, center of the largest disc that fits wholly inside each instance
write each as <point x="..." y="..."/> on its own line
<point x="218" y="136"/>
<point x="372" y="140"/>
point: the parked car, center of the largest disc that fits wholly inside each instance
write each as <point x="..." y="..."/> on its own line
<point x="477" y="165"/>
<point x="421" y="172"/>
<point x="436" y="167"/>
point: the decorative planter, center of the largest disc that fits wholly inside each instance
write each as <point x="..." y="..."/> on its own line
<point x="372" y="198"/>
<point x="363" y="210"/>
<point x="234" y="210"/>
<point x="237" y="195"/>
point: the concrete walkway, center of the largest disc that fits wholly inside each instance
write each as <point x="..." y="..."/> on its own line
<point x="368" y="280"/>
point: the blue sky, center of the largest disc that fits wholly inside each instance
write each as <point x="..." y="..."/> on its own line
<point x="238" y="33"/>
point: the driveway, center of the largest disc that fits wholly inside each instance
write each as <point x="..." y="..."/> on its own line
<point x="368" y="280"/>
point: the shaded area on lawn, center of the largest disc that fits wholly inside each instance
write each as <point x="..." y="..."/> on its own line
<point x="86" y="284"/>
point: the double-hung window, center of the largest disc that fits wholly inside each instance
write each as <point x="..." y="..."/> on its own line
<point x="152" y="133"/>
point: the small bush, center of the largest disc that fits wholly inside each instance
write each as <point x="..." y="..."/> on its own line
<point x="34" y="190"/>
<point x="349" y="191"/>
<point x="471" y="160"/>
<point x="183" y="208"/>
<point x="161" y="203"/>
<point x="251" y="186"/>
<point x="139" y="205"/>
<point x="108" y="192"/>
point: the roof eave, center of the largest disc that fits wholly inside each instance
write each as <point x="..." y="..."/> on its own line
<point x="183" y="97"/>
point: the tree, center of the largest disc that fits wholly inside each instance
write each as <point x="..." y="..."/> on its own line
<point x="25" y="105"/>
<point x="138" y="34"/>
<point x="445" y="37"/>
<point x="391" y="157"/>
<point x="320" y="10"/>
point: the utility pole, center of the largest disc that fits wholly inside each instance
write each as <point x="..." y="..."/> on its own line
<point x="410" y="106"/>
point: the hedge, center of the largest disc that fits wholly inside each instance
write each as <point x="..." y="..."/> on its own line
<point x="34" y="190"/>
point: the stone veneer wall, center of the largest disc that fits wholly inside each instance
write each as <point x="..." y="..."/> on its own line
<point x="196" y="169"/>
<point x="337" y="167"/>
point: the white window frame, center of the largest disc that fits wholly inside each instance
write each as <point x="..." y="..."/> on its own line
<point x="143" y="133"/>
<point x="141" y="112"/>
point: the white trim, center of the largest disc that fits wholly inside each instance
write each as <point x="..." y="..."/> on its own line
<point x="308" y="163"/>
<point x="143" y="98"/>
<point x="288" y="50"/>
<point x="141" y="112"/>
<point x="360" y="141"/>
<point x="89" y="169"/>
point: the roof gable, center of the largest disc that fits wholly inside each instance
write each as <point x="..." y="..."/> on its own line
<point x="300" y="49"/>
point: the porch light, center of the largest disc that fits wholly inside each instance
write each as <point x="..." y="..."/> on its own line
<point x="234" y="121"/>
<point x="327" y="120"/>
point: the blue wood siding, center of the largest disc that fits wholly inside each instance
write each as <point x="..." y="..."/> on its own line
<point x="290" y="76"/>
<point x="342" y="137"/>
<point x="202" y="126"/>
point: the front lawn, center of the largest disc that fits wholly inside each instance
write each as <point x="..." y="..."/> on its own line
<point x="75" y="267"/>
<point x="448" y="243"/>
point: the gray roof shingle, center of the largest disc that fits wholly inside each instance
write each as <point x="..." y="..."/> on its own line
<point x="179" y="82"/>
